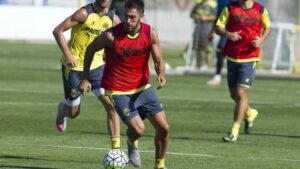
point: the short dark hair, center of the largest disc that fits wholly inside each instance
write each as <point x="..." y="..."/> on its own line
<point x="137" y="4"/>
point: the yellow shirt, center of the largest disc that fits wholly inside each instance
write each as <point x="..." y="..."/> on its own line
<point x="84" y="33"/>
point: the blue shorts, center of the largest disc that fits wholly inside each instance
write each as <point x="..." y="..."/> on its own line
<point x="72" y="80"/>
<point x="242" y="74"/>
<point x="144" y="103"/>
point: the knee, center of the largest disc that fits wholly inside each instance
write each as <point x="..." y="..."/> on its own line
<point x="241" y="94"/>
<point x="164" y="130"/>
<point x="139" y="130"/>
<point x="109" y="106"/>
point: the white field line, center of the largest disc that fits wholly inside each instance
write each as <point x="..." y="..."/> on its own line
<point x="151" y="152"/>
<point x="106" y="149"/>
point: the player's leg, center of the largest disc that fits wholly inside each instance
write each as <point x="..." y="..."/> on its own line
<point x="220" y="55"/>
<point x="233" y="134"/>
<point x="70" y="107"/>
<point x="196" y="46"/>
<point x="217" y="78"/>
<point x="134" y="131"/>
<point x="162" y="131"/>
<point x="246" y="81"/>
<point x="239" y="82"/>
<point x="150" y="105"/>
<point x="241" y="106"/>
<point x="198" y="58"/>
<point x="208" y="55"/>
<point x="250" y="116"/>
<point x="113" y="121"/>
<point x="126" y="109"/>
<point x="232" y="85"/>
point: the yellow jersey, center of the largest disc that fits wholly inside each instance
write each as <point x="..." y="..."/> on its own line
<point x="84" y="33"/>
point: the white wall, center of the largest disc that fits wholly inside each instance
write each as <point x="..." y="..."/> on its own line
<point x="37" y="23"/>
<point x="30" y="23"/>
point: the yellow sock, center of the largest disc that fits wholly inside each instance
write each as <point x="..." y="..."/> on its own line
<point x="235" y="129"/>
<point x="115" y="142"/>
<point x="251" y="114"/>
<point x="133" y="143"/>
<point x="159" y="163"/>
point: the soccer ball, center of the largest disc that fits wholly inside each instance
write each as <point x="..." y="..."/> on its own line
<point x="115" y="159"/>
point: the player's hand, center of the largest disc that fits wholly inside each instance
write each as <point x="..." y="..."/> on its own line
<point x="85" y="86"/>
<point x="161" y="81"/>
<point x="71" y="62"/>
<point x="234" y="36"/>
<point x="256" y="42"/>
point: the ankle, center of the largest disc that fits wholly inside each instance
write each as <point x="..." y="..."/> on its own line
<point x="160" y="163"/>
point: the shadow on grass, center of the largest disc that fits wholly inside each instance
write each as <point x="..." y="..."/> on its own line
<point x="145" y="135"/>
<point x="222" y="133"/>
<point x="275" y="135"/>
<point x="259" y="134"/>
<point x="39" y="159"/>
<point x="31" y="167"/>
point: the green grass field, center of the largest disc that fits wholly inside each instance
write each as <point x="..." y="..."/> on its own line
<point x="31" y="87"/>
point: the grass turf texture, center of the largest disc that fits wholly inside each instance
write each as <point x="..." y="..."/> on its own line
<point x="31" y="87"/>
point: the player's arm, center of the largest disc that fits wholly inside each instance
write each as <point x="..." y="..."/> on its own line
<point x="266" y="30"/>
<point x="58" y="32"/>
<point x="99" y="43"/>
<point x="266" y="25"/>
<point x="221" y="25"/>
<point x="157" y="57"/>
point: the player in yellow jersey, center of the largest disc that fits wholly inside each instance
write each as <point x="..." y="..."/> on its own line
<point x="86" y="24"/>
<point x="203" y="14"/>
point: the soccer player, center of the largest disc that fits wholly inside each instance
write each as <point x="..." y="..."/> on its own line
<point x="86" y="23"/>
<point x="126" y="79"/>
<point x="204" y="15"/>
<point x="246" y="24"/>
<point x="217" y="78"/>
